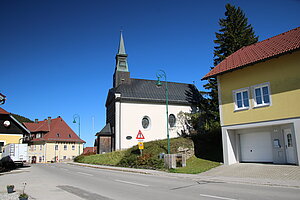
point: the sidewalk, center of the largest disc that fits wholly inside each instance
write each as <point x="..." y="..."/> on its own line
<point x="244" y="173"/>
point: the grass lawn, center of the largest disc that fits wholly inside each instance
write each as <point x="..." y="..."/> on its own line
<point x="195" y="165"/>
<point x="112" y="158"/>
<point x="150" y="159"/>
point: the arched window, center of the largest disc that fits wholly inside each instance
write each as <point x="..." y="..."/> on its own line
<point x="172" y="120"/>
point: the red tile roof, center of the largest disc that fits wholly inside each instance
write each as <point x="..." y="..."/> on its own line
<point x="266" y="49"/>
<point x="57" y="130"/>
<point x="87" y="150"/>
<point x="2" y="111"/>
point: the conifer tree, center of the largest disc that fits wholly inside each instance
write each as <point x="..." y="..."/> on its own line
<point x="234" y="33"/>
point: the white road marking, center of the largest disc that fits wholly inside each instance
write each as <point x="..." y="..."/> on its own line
<point x="84" y="173"/>
<point x="139" y="184"/>
<point x="216" y="197"/>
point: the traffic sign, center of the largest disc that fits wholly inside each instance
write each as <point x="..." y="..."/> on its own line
<point x="141" y="145"/>
<point x="140" y="136"/>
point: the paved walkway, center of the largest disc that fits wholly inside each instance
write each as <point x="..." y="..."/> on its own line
<point x="247" y="173"/>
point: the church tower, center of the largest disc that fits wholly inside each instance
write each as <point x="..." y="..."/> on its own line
<point x="122" y="74"/>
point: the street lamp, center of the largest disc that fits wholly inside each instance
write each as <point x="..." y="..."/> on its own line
<point x="2" y="99"/>
<point x="162" y="74"/>
<point x="76" y="116"/>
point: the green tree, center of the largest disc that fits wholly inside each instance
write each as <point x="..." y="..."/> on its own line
<point x="20" y="118"/>
<point x="234" y="33"/>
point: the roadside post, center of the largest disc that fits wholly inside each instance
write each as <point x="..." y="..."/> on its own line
<point x="140" y="138"/>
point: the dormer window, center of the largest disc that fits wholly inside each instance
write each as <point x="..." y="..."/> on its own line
<point x="70" y="135"/>
<point x="57" y="134"/>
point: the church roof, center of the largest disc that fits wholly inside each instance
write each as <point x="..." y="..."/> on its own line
<point x="105" y="131"/>
<point x="146" y="90"/>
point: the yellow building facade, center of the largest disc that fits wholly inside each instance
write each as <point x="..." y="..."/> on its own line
<point x="52" y="140"/>
<point x="11" y="130"/>
<point x="283" y="76"/>
<point x="54" y="152"/>
<point x="259" y="95"/>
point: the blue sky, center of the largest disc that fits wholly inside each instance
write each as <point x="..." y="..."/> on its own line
<point x="57" y="57"/>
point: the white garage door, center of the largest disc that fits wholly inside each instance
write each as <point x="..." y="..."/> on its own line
<point x="256" y="145"/>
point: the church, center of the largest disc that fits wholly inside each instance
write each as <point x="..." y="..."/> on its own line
<point x="134" y="105"/>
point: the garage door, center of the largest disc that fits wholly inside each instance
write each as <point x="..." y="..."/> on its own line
<point x="256" y="145"/>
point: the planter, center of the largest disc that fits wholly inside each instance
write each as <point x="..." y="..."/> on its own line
<point x="10" y="189"/>
<point x="23" y="196"/>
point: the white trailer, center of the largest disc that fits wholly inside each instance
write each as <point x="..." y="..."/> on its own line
<point x="17" y="152"/>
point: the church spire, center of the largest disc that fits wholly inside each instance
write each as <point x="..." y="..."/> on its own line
<point x="121" y="75"/>
<point x="121" y="46"/>
<point x="121" y="57"/>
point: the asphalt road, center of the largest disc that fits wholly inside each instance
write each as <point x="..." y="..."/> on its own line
<point x="64" y="181"/>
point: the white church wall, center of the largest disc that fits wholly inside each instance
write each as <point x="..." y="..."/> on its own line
<point x="131" y="115"/>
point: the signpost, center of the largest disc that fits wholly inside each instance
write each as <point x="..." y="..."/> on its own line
<point x="140" y="137"/>
<point x="141" y="145"/>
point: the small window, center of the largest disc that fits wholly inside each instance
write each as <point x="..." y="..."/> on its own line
<point x="73" y="147"/>
<point x="289" y="140"/>
<point x="122" y="64"/>
<point x="241" y="98"/>
<point x="172" y="120"/>
<point x="146" y="122"/>
<point x="57" y="134"/>
<point x="41" y="147"/>
<point x="65" y="157"/>
<point x="65" y="147"/>
<point x="1" y="146"/>
<point x="261" y="95"/>
<point x="70" y="135"/>
<point x="56" y="147"/>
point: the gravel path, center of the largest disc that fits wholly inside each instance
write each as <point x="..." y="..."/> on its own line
<point x="11" y="196"/>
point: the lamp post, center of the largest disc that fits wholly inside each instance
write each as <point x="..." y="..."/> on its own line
<point x="76" y="116"/>
<point x="162" y="74"/>
<point x="2" y="99"/>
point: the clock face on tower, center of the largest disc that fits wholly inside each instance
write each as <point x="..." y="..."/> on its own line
<point x="6" y="123"/>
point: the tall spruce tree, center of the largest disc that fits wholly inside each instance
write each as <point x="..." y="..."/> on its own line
<point x="235" y="33"/>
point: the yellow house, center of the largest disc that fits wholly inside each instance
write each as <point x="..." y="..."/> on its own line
<point x="11" y="130"/>
<point x="259" y="101"/>
<point x="52" y="140"/>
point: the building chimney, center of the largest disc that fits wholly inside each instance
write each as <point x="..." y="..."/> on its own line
<point x="49" y="120"/>
<point x="36" y="121"/>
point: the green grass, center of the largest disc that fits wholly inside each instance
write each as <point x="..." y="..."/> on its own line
<point x="195" y="165"/>
<point x="150" y="158"/>
<point x="112" y="158"/>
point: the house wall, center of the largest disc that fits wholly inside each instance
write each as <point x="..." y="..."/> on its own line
<point x="10" y="138"/>
<point x="283" y="75"/>
<point x="131" y="115"/>
<point x="48" y="151"/>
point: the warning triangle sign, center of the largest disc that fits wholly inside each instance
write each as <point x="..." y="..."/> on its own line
<point x="140" y="135"/>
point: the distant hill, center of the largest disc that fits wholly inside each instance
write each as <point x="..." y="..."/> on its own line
<point x="20" y="118"/>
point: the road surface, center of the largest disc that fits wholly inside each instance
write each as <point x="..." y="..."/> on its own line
<point x="65" y="181"/>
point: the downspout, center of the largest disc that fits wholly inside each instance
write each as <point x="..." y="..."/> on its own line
<point x="45" y="149"/>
